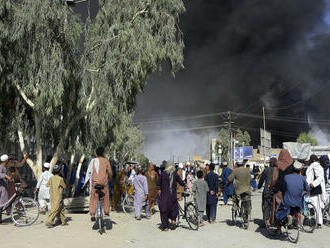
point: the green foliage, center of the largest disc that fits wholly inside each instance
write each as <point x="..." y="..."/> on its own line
<point x="143" y="160"/>
<point x="307" y="138"/>
<point x="72" y="85"/>
<point x="243" y="139"/>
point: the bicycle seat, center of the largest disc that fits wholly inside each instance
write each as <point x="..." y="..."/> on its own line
<point x="98" y="187"/>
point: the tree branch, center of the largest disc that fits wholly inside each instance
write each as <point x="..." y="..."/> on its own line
<point x="139" y="13"/>
<point x="23" y="95"/>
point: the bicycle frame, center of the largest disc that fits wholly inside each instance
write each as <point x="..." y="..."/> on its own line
<point x="12" y="199"/>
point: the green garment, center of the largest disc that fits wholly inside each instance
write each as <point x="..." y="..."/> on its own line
<point x="242" y="179"/>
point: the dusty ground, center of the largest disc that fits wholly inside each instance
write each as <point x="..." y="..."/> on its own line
<point x="127" y="232"/>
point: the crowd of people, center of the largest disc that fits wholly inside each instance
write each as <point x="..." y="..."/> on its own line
<point x="283" y="182"/>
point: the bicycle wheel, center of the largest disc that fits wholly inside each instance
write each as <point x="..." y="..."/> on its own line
<point x="191" y="216"/>
<point x="128" y="204"/>
<point x="309" y="218"/>
<point x="25" y="211"/>
<point x="292" y="231"/>
<point x="326" y="215"/>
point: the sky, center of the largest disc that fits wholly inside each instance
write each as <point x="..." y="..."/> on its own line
<point x="240" y="55"/>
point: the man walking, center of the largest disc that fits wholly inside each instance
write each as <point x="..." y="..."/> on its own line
<point x="168" y="203"/>
<point x="228" y="189"/>
<point x="4" y="178"/>
<point x="141" y="194"/>
<point x="212" y="196"/>
<point x="266" y="179"/>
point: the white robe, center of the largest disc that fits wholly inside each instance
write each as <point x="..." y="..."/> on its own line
<point x="315" y="176"/>
<point x="43" y="189"/>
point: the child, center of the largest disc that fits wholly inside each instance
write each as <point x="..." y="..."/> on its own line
<point x="42" y="189"/>
<point x="56" y="185"/>
<point x="200" y="189"/>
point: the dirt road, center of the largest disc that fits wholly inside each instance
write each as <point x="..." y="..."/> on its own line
<point x="127" y="232"/>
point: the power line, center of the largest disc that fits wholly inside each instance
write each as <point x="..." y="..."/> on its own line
<point x="192" y="117"/>
<point x="272" y="117"/>
<point x="183" y="129"/>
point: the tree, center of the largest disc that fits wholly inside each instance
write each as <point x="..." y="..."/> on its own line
<point x="243" y="139"/>
<point x="67" y="91"/>
<point x="143" y="160"/>
<point x="307" y="138"/>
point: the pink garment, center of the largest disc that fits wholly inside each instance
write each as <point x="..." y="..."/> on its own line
<point x="189" y="183"/>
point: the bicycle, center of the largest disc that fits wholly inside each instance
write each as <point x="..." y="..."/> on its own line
<point x="99" y="211"/>
<point x="189" y="212"/>
<point x="309" y="221"/>
<point x="127" y="201"/>
<point x="292" y="228"/>
<point x="242" y="212"/>
<point x="24" y="210"/>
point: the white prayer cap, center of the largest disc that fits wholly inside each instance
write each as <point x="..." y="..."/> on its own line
<point x="239" y="161"/>
<point x="47" y="165"/>
<point x="180" y="165"/>
<point x="297" y="165"/>
<point x="56" y="168"/>
<point x="224" y="163"/>
<point x="4" y="158"/>
<point x="188" y="163"/>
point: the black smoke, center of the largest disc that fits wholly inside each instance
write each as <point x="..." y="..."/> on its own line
<point x="244" y="54"/>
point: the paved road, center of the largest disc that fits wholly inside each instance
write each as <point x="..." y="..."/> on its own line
<point x="127" y="232"/>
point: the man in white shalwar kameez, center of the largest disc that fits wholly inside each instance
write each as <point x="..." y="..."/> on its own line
<point x="42" y="189"/>
<point x="315" y="177"/>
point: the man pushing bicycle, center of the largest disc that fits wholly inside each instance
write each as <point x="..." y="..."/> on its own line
<point x="242" y="188"/>
<point x="99" y="173"/>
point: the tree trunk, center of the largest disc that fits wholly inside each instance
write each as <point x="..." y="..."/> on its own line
<point x="68" y="176"/>
<point x="78" y="173"/>
<point x="38" y="138"/>
<point x="29" y="161"/>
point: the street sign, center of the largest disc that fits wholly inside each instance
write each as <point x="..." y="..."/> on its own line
<point x="244" y="152"/>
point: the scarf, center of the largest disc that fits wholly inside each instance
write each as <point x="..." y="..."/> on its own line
<point x="170" y="170"/>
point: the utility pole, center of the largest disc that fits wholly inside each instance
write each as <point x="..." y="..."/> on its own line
<point x="264" y="119"/>
<point x="230" y="139"/>
<point x="228" y="116"/>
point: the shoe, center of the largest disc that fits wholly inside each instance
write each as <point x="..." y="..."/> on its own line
<point x="319" y="226"/>
<point x="164" y="229"/>
<point x="93" y="218"/>
<point x="173" y="226"/>
<point x="49" y="225"/>
<point x="64" y="223"/>
<point x="201" y="224"/>
<point x="138" y="218"/>
<point x="148" y="217"/>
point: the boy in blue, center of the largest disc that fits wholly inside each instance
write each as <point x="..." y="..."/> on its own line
<point x="212" y="180"/>
<point x="293" y="188"/>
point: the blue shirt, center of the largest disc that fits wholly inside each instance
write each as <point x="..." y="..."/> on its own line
<point x="228" y="189"/>
<point x="213" y="182"/>
<point x="294" y="185"/>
